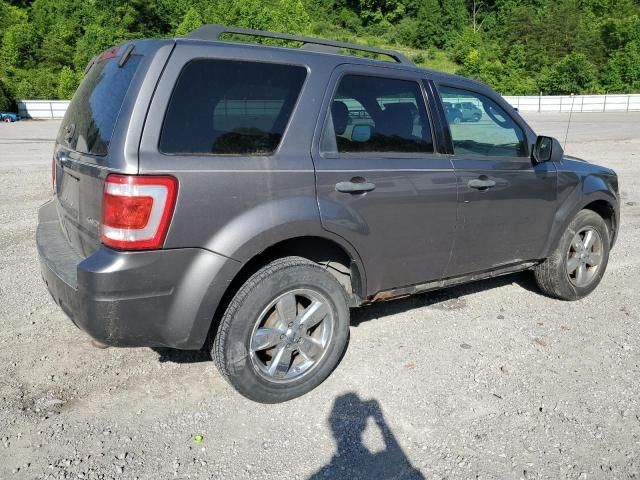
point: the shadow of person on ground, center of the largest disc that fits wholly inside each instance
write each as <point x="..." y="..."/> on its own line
<point x="348" y="422"/>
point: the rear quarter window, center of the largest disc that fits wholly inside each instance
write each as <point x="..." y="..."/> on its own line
<point x="226" y="107"/>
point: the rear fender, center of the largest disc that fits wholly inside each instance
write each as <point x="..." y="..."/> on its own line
<point x="257" y="229"/>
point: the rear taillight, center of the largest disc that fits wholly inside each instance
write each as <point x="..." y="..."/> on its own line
<point x="137" y="210"/>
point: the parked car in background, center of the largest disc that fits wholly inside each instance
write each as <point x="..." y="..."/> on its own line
<point x="454" y="115"/>
<point x="462" y="112"/>
<point x="470" y="112"/>
<point x="9" y="117"/>
<point x="242" y="198"/>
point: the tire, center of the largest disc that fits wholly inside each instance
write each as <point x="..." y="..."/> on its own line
<point x="456" y="120"/>
<point x="7" y="120"/>
<point x="558" y="278"/>
<point x="476" y="118"/>
<point x="255" y="314"/>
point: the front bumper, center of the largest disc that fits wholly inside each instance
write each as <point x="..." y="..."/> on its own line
<point x="130" y="299"/>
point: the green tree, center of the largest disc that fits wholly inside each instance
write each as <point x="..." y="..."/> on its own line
<point x="5" y="97"/>
<point x="282" y="15"/>
<point x="191" y="21"/>
<point x="429" y="28"/>
<point x="19" y="45"/>
<point x="517" y="46"/>
<point x="455" y="17"/>
<point x="381" y="11"/>
<point x="36" y="84"/>
<point x="623" y="70"/>
<point x="10" y="15"/>
<point x="573" y="74"/>
<point x="68" y="82"/>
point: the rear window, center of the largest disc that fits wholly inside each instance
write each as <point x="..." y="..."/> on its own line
<point x="89" y="121"/>
<point x="226" y="107"/>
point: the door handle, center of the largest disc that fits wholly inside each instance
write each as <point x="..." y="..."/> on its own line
<point x="481" y="184"/>
<point x="355" y="186"/>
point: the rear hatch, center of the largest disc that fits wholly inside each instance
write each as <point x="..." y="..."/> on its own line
<point x="83" y="157"/>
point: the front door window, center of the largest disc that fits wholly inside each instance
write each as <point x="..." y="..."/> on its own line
<point x="480" y="127"/>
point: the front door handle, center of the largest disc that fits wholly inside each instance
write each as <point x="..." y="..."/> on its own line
<point x="355" y="186"/>
<point x="481" y="183"/>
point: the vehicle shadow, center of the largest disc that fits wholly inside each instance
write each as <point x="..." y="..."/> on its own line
<point x="445" y="298"/>
<point x="383" y="309"/>
<point x="353" y="460"/>
<point x="173" y="355"/>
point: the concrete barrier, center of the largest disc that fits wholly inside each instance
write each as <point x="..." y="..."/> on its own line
<point x="542" y="103"/>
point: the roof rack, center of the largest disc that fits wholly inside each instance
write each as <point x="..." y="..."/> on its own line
<point x="213" y="32"/>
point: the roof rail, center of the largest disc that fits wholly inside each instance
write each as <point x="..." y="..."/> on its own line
<point x="213" y="32"/>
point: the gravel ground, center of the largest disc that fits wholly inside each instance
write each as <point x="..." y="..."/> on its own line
<point x="488" y="380"/>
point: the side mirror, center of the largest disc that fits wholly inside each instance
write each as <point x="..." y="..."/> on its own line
<point x="547" y="149"/>
<point x="361" y="133"/>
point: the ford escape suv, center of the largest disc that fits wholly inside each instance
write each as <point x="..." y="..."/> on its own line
<point x="210" y="193"/>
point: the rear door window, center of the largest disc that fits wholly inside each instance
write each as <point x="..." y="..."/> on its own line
<point x="226" y="107"/>
<point x="374" y="114"/>
<point x="89" y="121"/>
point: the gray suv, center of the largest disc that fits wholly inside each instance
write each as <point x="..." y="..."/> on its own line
<point x="243" y="197"/>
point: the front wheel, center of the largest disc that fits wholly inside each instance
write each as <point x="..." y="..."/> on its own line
<point x="577" y="265"/>
<point x="284" y="332"/>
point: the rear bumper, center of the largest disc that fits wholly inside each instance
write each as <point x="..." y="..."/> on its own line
<point x="130" y="299"/>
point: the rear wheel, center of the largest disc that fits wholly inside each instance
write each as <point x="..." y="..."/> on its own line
<point x="578" y="263"/>
<point x="284" y="331"/>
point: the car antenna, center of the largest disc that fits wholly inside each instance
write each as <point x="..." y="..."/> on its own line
<point x="566" y="134"/>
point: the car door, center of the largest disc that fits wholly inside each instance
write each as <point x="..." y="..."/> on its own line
<point x="506" y="200"/>
<point x="381" y="183"/>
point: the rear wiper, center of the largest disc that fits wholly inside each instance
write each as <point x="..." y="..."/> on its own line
<point x="125" y="56"/>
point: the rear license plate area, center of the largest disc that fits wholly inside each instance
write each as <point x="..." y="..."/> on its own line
<point x="69" y="194"/>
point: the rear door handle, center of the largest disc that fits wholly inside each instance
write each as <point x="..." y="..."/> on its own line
<point x="481" y="184"/>
<point x="355" y="186"/>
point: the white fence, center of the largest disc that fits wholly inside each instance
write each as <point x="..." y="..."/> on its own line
<point x="576" y="103"/>
<point x="42" y="108"/>
<point x="542" y="103"/>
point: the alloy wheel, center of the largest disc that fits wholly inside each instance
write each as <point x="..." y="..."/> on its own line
<point x="291" y="335"/>
<point x="584" y="256"/>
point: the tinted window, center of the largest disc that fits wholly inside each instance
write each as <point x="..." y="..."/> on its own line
<point x="88" y="123"/>
<point x="230" y="108"/>
<point x="372" y="114"/>
<point x="480" y="127"/>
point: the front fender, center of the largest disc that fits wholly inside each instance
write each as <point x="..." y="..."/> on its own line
<point x="575" y="192"/>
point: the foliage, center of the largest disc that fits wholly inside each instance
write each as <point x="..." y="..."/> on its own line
<point x="573" y="74"/>
<point x="516" y="46"/>
<point x="5" y="101"/>
<point x="191" y="21"/>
